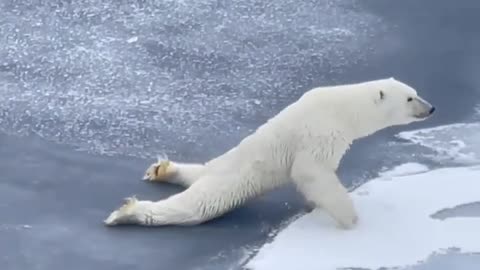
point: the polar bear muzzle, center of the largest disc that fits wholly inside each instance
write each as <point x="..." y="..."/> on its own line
<point x="422" y="108"/>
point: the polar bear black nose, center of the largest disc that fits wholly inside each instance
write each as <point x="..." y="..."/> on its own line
<point x="432" y="110"/>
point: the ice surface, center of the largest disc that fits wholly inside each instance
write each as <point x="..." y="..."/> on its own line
<point x="459" y="143"/>
<point x="395" y="227"/>
<point x="123" y="77"/>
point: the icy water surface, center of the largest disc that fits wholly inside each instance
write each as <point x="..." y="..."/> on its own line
<point x="126" y="80"/>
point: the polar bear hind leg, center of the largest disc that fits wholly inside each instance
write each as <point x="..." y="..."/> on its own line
<point x="149" y="213"/>
<point x="204" y="200"/>
<point x="165" y="170"/>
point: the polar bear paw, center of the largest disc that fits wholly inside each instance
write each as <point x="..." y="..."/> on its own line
<point x="348" y="223"/>
<point x="160" y="170"/>
<point x="122" y="214"/>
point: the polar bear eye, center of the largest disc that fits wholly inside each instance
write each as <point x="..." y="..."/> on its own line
<point x="382" y="95"/>
<point x="409" y="99"/>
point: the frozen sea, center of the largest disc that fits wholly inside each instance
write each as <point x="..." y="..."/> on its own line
<point x="91" y="91"/>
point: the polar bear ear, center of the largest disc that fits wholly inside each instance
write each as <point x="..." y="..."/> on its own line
<point x="381" y="94"/>
<point x="380" y="97"/>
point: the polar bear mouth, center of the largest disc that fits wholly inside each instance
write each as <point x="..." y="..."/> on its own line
<point x="425" y="114"/>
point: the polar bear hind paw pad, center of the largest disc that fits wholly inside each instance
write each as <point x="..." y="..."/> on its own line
<point x="118" y="216"/>
<point x="128" y="203"/>
<point x="159" y="171"/>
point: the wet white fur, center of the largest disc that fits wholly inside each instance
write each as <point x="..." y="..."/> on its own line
<point x="304" y="143"/>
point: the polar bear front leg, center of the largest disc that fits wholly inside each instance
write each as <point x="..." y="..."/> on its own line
<point x="322" y="187"/>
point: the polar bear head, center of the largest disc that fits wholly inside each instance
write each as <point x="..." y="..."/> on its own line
<point x="399" y="104"/>
<point x="371" y="106"/>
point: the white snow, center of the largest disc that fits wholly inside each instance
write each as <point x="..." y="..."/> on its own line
<point x="132" y="40"/>
<point x="396" y="227"/>
<point x="458" y="142"/>
<point x="404" y="169"/>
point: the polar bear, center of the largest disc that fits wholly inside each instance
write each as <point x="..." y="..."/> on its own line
<point x="303" y="143"/>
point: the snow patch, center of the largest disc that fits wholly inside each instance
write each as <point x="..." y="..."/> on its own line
<point x="459" y="143"/>
<point x="132" y="40"/>
<point x="395" y="227"/>
<point x="404" y="169"/>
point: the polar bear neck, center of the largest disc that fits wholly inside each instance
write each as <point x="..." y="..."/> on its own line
<point x="343" y="112"/>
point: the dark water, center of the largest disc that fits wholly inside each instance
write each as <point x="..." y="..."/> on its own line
<point x="125" y="80"/>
